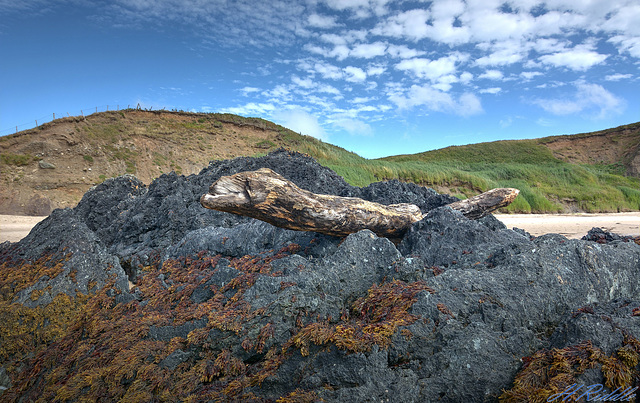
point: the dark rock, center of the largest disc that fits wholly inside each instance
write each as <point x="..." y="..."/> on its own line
<point x="394" y="191"/>
<point x="250" y="238"/>
<point x="5" y="380"/>
<point x="603" y="324"/>
<point x="59" y="235"/>
<point x="174" y="359"/>
<point x="600" y="236"/>
<point x="487" y="295"/>
<point x="166" y="333"/>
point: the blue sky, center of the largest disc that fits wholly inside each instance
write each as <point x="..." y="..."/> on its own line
<point x="376" y="77"/>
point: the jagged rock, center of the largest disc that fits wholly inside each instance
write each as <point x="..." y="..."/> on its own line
<point x="598" y="235"/>
<point x="446" y="315"/>
<point x="250" y="238"/>
<point x="89" y="268"/>
<point x="5" y="381"/>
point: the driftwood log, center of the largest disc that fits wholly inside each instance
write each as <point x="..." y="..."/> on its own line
<point x="267" y="196"/>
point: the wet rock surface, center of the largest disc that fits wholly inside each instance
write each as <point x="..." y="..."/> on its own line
<point x="244" y="310"/>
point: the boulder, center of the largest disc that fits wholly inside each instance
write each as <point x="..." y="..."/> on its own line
<point x="229" y="308"/>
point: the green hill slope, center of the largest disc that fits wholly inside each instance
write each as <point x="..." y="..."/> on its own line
<point x="554" y="174"/>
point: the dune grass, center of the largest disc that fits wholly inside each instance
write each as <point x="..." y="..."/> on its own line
<point x="547" y="184"/>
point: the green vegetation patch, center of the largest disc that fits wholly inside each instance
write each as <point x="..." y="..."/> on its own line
<point x="546" y="184"/>
<point x="125" y="154"/>
<point x="16" y="159"/>
<point x="265" y="144"/>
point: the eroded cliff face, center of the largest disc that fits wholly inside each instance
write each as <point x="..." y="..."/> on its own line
<point x="619" y="146"/>
<point x="227" y="308"/>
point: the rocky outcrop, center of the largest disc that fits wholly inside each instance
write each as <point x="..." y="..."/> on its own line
<point x="229" y="308"/>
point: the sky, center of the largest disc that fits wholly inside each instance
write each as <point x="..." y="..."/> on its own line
<point x="376" y="77"/>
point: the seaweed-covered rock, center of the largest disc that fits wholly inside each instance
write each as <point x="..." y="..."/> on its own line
<point x="229" y="308"/>
<point x="84" y="264"/>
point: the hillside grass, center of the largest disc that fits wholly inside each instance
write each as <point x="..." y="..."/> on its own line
<point x="546" y="184"/>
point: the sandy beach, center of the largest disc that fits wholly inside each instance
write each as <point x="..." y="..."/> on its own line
<point x="573" y="225"/>
<point x="14" y="228"/>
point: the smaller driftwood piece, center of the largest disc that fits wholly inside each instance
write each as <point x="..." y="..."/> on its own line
<point x="267" y="196"/>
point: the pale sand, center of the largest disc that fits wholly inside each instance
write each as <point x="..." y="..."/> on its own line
<point x="573" y="225"/>
<point x="14" y="228"/>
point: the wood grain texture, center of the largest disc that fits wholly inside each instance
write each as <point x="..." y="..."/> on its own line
<point x="267" y="196"/>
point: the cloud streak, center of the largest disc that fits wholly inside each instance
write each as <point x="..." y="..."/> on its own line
<point x="588" y="98"/>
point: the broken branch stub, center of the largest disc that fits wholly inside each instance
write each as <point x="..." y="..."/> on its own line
<point x="267" y="196"/>
<point x="485" y="203"/>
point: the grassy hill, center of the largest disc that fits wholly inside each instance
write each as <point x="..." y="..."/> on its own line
<point x="592" y="172"/>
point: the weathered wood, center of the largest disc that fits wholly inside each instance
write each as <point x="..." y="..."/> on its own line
<point x="267" y="196"/>
<point x="485" y="203"/>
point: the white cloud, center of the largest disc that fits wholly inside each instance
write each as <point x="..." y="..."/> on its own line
<point x="435" y="100"/>
<point x="403" y="51"/>
<point x="629" y="44"/>
<point x="240" y="23"/>
<point x="492" y="75"/>
<point x="333" y="39"/>
<point x="362" y="100"/>
<point x="304" y="83"/>
<point x="249" y="90"/>
<point x="251" y="109"/>
<point x="354" y="127"/>
<point x="355" y="74"/>
<point x="322" y="21"/>
<point x="502" y="53"/>
<point x="329" y="89"/>
<point x="340" y="52"/>
<point x="430" y="69"/>
<point x="329" y="71"/>
<point x="280" y="91"/>
<point x="368" y="50"/>
<point x="360" y="8"/>
<point x="375" y="70"/>
<point x="625" y="19"/>
<point x="410" y="24"/>
<point x="301" y="121"/>
<point x="492" y="90"/>
<point x="466" y="77"/>
<point x="618" y="77"/>
<point x="530" y="75"/>
<point x="504" y="123"/>
<point x="592" y="98"/>
<point x="580" y="58"/>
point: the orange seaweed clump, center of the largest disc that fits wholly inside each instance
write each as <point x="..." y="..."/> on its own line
<point x="106" y="352"/>
<point x="549" y="372"/>
<point x="300" y="396"/>
<point x="376" y="318"/>
<point x="28" y="331"/>
<point x="16" y="276"/>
